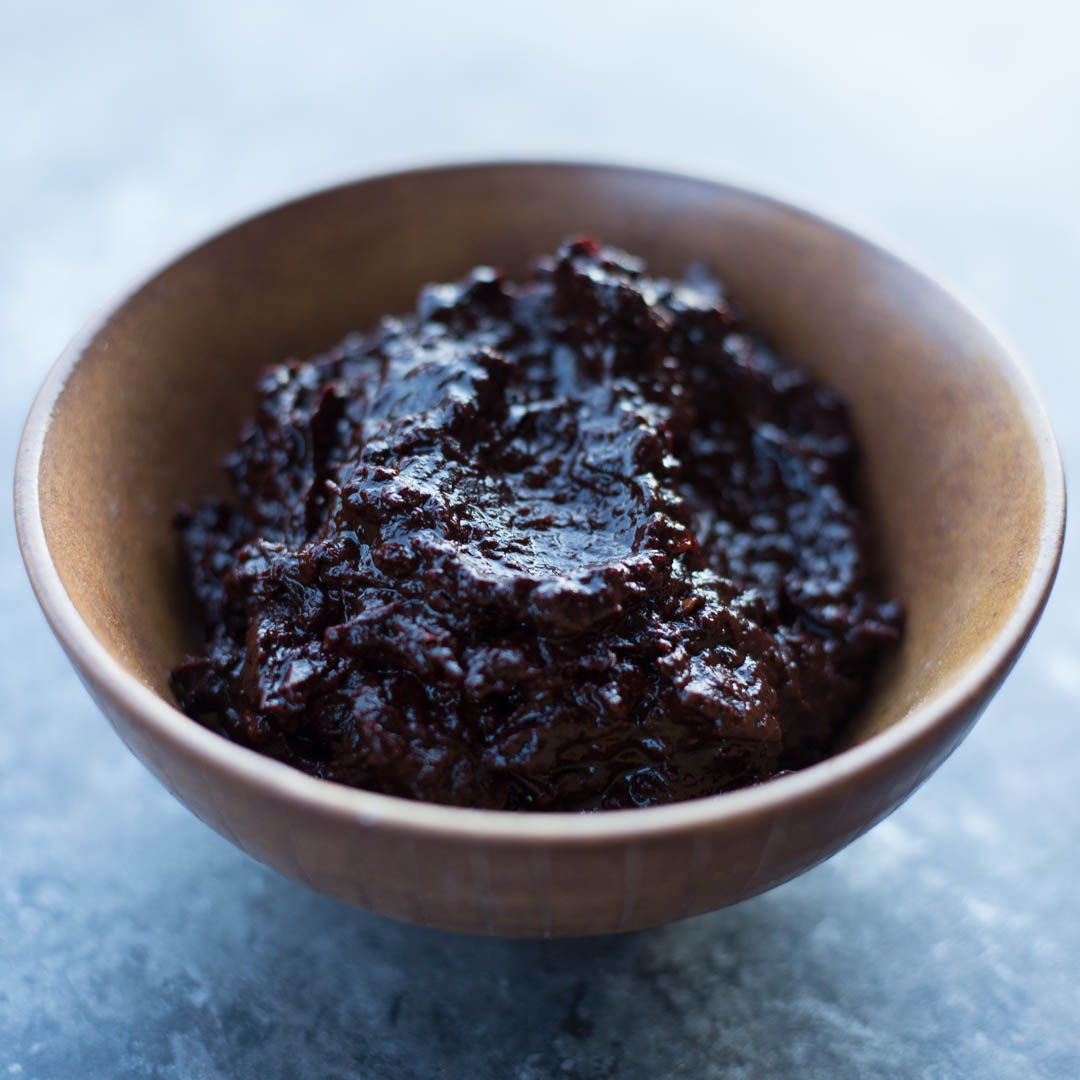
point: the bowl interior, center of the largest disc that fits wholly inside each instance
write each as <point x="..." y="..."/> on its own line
<point x="955" y="471"/>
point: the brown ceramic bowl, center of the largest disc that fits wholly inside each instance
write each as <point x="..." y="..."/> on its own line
<point x="962" y="475"/>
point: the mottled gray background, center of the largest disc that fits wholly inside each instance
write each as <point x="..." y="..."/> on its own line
<point x="136" y="943"/>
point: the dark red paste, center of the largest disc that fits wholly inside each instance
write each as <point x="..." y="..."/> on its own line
<point x="575" y="544"/>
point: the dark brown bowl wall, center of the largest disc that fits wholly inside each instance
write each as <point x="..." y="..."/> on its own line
<point x="960" y="474"/>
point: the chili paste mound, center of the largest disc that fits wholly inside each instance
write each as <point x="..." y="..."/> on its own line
<point x="574" y="544"/>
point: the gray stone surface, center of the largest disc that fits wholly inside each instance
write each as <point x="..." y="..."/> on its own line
<point x="136" y="943"/>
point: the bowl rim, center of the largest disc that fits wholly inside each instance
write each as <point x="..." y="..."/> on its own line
<point x="103" y="673"/>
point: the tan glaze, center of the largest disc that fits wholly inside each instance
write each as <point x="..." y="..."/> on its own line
<point x="962" y="475"/>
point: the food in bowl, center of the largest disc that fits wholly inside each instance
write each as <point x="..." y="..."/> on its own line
<point x="581" y="543"/>
<point x="961" y="478"/>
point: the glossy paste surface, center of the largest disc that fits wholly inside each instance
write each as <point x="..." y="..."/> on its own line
<point x="580" y="543"/>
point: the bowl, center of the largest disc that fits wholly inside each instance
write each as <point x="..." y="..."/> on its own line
<point x="961" y="475"/>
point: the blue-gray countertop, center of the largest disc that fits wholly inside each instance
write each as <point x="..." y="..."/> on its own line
<point x="136" y="943"/>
